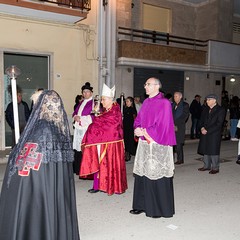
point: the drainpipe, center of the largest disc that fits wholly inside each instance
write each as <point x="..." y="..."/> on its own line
<point x="100" y="45"/>
<point x="108" y="43"/>
<point x="111" y="42"/>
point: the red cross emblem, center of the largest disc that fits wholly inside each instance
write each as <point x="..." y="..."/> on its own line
<point x="29" y="159"/>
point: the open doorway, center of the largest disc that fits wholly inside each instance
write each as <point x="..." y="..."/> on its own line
<point x="34" y="74"/>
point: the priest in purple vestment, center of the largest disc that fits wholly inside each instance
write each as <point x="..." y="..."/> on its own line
<point x="82" y="118"/>
<point x="154" y="164"/>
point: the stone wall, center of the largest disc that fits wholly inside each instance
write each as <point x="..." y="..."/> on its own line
<point x="214" y="21"/>
<point x="208" y="20"/>
<point x="183" y="16"/>
<point x="124" y="13"/>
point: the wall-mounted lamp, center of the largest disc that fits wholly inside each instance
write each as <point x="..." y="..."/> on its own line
<point x="232" y="79"/>
<point x="129" y="70"/>
<point x="187" y="78"/>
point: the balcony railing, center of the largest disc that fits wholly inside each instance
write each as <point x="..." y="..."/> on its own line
<point x="77" y="4"/>
<point x="159" y="38"/>
<point x="62" y="11"/>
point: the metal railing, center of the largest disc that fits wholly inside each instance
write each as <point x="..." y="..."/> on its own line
<point x="78" y="4"/>
<point x="160" y="38"/>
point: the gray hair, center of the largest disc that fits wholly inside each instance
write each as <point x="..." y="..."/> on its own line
<point x="179" y="94"/>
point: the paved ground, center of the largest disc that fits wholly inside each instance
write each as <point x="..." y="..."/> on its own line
<point x="207" y="206"/>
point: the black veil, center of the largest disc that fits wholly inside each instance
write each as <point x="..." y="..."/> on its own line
<point x="48" y="129"/>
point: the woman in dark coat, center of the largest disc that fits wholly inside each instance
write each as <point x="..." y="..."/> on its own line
<point x="38" y="193"/>
<point x="211" y="124"/>
<point x="129" y="114"/>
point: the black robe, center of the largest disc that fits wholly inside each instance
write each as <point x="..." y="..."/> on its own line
<point x="154" y="197"/>
<point x="37" y="200"/>
<point x="129" y="114"/>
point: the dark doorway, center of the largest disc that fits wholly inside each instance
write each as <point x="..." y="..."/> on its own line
<point x="34" y="74"/>
<point x="172" y="81"/>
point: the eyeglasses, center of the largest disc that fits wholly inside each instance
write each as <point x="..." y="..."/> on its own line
<point x="149" y="84"/>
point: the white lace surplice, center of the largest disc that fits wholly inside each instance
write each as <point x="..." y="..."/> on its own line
<point x="153" y="160"/>
<point x="80" y="129"/>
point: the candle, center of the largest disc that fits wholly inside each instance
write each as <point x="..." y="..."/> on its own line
<point x="93" y="104"/>
<point x="122" y="95"/>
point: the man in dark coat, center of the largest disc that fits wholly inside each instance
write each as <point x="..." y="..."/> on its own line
<point x="195" y="110"/>
<point x="211" y="124"/>
<point x="180" y="110"/>
<point x="23" y="114"/>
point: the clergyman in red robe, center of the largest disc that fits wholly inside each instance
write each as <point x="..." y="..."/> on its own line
<point x="103" y="148"/>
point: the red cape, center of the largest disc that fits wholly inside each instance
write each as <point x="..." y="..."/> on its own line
<point x="106" y="131"/>
<point x="107" y="127"/>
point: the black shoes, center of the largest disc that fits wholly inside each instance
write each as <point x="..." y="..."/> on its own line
<point x="136" y="212"/>
<point x="214" y="171"/>
<point x="127" y="156"/>
<point x="178" y="162"/>
<point x="207" y="169"/>
<point x="203" y="169"/>
<point x="238" y="160"/>
<point x="93" y="190"/>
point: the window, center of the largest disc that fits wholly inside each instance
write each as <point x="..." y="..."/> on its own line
<point x="156" y="18"/>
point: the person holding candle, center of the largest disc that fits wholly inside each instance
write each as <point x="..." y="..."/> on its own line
<point x="82" y="117"/>
<point x="103" y="148"/>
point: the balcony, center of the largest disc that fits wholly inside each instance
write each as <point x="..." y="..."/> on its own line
<point x="156" y="52"/>
<point x="162" y="47"/>
<point x="141" y="48"/>
<point x="63" y="11"/>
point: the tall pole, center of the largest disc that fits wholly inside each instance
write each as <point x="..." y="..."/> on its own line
<point x="13" y="72"/>
<point x="15" y="109"/>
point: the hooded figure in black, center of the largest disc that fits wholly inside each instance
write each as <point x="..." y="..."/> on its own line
<point x="38" y="194"/>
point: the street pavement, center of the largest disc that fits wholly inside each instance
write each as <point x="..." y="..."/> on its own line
<point x="207" y="206"/>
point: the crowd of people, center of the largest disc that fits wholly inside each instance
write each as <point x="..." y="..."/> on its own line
<point x="107" y="133"/>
